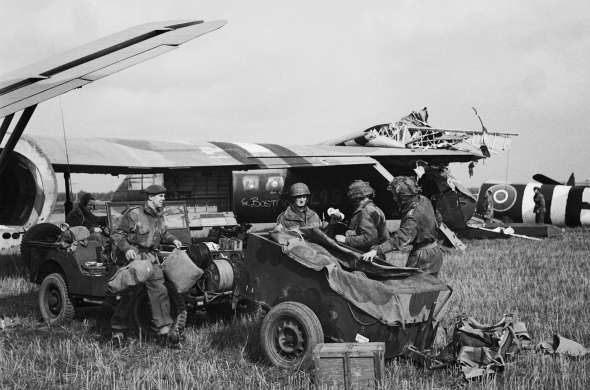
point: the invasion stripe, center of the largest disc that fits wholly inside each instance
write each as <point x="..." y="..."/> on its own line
<point x="239" y="153"/>
<point x="547" y="191"/>
<point x="288" y="155"/>
<point x="255" y="149"/>
<point x="585" y="209"/>
<point x="573" y="207"/>
<point x="528" y="204"/>
<point x="262" y="152"/>
<point x="558" y="204"/>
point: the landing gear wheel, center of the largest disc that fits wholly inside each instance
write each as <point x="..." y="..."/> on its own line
<point x="54" y="301"/>
<point x="288" y="335"/>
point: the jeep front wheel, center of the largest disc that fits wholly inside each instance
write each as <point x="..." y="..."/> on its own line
<point x="54" y="301"/>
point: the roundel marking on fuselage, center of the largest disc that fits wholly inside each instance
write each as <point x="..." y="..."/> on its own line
<point x="504" y="196"/>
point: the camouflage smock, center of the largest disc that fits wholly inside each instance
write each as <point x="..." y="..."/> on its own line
<point x="367" y="226"/>
<point x="141" y="229"/>
<point x="418" y="229"/>
<point x="292" y="218"/>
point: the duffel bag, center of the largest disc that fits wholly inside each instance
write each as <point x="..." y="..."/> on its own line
<point x="181" y="271"/>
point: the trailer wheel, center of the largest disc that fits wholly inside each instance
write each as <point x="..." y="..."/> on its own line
<point x="289" y="333"/>
<point x="54" y="301"/>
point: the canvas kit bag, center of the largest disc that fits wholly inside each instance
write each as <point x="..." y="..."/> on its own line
<point x="181" y="271"/>
<point x="136" y="272"/>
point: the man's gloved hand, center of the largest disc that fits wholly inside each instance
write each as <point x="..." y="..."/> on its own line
<point x="177" y="243"/>
<point x="340" y="238"/>
<point x="130" y="254"/>
<point x="370" y="255"/>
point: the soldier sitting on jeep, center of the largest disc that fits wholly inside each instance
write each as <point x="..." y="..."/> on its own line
<point x="138" y="236"/>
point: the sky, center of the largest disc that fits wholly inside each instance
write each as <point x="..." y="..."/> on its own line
<point x="301" y="72"/>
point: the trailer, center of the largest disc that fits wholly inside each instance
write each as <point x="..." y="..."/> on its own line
<point x="315" y="290"/>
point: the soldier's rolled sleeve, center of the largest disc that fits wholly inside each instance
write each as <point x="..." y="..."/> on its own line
<point x="366" y="233"/>
<point x="401" y="238"/>
<point x="126" y="225"/>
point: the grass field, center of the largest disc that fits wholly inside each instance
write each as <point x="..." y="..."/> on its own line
<point x="546" y="283"/>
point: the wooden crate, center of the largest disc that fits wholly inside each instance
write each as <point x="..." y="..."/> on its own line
<point x="349" y="365"/>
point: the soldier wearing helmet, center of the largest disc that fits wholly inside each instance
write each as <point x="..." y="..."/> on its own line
<point x="539" y="208"/>
<point x="298" y="214"/>
<point x="367" y="224"/>
<point x="418" y="228"/>
<point x="138" y="235"/>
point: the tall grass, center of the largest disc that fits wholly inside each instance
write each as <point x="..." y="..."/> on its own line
<point x="546" y="284"/>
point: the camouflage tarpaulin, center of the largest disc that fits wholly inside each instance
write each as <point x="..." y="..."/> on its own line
<point x="382" y="291"/>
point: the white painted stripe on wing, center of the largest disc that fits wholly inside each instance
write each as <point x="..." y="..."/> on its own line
<point x="528" y="204"/>
<point x="585" y="213"/>
<point x="255" y="150"/>
<point x="558" y="204"/>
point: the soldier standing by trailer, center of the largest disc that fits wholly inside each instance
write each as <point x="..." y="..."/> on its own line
<point x="418" y="228"/>
<point x="138" y="236"/>
<point x="298" y="214"/>
<point x="539" y="208"/>
<point x="367" y="225"/>
<point x="488" y="214"/>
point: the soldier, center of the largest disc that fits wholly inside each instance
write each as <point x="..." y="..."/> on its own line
<point x="82" y="216"/>
<point x="298" y="214"/>
<point x="488" y="214"/>
<point x="539" y="208"/>
<point x="418" y="228"/>
<point x="138" y="236"/>
<point x="367" y="224"/>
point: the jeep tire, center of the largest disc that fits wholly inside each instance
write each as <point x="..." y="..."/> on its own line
<point x="54" y="301"/>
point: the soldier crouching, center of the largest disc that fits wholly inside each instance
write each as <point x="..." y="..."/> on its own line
<point x="138" y="236"/>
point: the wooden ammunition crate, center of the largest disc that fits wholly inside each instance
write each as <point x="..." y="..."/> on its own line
<point x="349" y="365"/>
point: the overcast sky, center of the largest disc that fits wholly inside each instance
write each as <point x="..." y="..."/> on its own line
<point x="298" y="72"/>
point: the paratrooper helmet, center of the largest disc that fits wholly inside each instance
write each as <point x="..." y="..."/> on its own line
<point x="404" y="186"/>
<point x="358" y="189"/>
<point x="299" y="189"/>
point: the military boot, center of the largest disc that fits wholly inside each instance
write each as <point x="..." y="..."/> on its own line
<point x="177" y="329"/>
